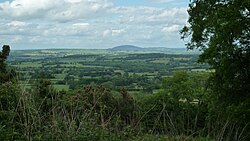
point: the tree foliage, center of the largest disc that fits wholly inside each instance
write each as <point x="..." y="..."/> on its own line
<point x="8" y="99"/>
<point x="3" y="56"/>
<point x="221" y="29"/>
<point x="5" y="74"/>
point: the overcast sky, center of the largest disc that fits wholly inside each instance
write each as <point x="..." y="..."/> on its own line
<point x="32" y="24"/>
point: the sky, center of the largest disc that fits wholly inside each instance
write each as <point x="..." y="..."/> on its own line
<point x="92" y="24"/>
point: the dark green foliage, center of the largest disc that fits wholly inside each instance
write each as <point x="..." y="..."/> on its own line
<point x="5" y="74"/>
<point x="127" y="108"/>
<point x="221" y="29"/>
<point x="8" y="106"/>
<point x="3" y="56"/>
<point x="94" y="113"/>
<point x="8" y="99"/>
<point x="181" y="108"/>
<point x="45" y="97"/>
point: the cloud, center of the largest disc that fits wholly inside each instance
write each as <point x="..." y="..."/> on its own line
<point x="113" y="32"/>
<point x="151" y="16"/>
<point x="81" y="24"/>
<point x="73" y="1"/>
<point x="160" y="1"/>
<point x="57" y="10"/>
<point x="84" y="9"/>
<point x="67" y="30"/>
<point x="17" y="24"/>
<point x="88" y="23"/>
<point x="16" y="28"/>
<point x="27" y="9"/>
<point x="171" y="29"/>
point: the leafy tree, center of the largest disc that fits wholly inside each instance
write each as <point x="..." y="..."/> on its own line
<point x="3" y="56"/>
<point x="4" y="74"/>
<point x="9" y="96"/>
<point x="221" y="29"/>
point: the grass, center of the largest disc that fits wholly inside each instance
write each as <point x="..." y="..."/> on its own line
<point x="60" y="76"/>
<point x="151" y="137"/>
<point x="71" y="120"/>
<point x="28" y="64"/>
<point x="61" y="87"/>
<point x="72" y="65"/>
<point x="185" y="59"/>
<point x="161" y="60"/>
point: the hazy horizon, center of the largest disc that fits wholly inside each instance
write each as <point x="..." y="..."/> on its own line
<point x="37" y="48"/>
<point x="91" y="24"/>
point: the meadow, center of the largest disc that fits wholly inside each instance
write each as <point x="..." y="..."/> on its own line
<point x="136" y="70"/>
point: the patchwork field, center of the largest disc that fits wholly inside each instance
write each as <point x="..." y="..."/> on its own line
<point x="135" y="70"/>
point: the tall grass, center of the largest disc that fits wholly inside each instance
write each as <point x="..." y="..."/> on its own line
<point x="93" y="113"/>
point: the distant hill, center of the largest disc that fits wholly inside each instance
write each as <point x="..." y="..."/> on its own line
<point x="136" y="48"/>
<point x="154" y="49"/>
<point x="127" y="48"/>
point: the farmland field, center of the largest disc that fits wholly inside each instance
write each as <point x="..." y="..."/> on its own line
<point x="135" y="70"/>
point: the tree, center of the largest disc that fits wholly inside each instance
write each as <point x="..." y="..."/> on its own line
<point x="5" y="75"/>
<point x="3" y="56"/>
<point x="221" y="30"/>
<point x="9" y="99"/>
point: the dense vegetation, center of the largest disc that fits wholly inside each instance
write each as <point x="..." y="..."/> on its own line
<point x="98" y="110"/>
<point x="221" y="29"/>
<point x="120" y="95"/>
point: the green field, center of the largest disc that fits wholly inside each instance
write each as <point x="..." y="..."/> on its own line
<point x="135" y="70"/>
